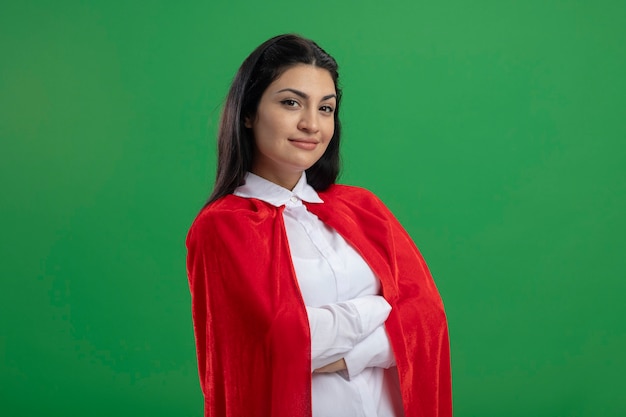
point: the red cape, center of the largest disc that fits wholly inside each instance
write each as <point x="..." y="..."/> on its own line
<point x="251" y="328"/>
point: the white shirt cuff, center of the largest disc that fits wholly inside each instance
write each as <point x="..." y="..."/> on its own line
<point x="338" y="328"/>
<point x="374" y="351"/>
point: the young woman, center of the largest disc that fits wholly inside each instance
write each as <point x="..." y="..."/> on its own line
<point x="308" y="297"/>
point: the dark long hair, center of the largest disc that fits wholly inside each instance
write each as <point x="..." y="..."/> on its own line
<point x="235" y="142"/>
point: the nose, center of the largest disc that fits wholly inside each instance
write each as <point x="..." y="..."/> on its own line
<point x="309" y="121"/>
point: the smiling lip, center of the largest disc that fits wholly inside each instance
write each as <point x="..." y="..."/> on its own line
<point x="307" y="144"/>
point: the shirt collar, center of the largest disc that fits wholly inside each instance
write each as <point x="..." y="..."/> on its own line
<point x="262" y="189"/>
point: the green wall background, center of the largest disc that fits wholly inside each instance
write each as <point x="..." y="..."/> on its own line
<point x="493" y="129"/>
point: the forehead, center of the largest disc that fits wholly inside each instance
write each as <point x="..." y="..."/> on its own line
<point x="306" y="78"/>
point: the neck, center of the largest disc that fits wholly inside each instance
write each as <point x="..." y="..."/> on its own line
<point x="285" y="181"/>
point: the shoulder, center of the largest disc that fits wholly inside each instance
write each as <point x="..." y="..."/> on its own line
<point x="229" y="213"/>
<point x="353" y="202"/>
<point x="341" y="191"/>
<point x="351" y="195"/>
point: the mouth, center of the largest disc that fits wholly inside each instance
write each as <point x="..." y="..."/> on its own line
<point x="307" y="144"/>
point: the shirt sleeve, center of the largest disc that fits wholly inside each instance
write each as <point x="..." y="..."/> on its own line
<point x="374" y="351"/>
<point x="337" y="328"/>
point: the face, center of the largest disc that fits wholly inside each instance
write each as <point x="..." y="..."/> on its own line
<point x="294" y="123"/>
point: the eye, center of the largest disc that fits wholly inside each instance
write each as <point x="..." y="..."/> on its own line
<point x="289" y="102"/>
<point x="327" y="109"/>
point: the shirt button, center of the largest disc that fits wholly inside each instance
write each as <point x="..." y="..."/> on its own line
<point x="294" y="199"/>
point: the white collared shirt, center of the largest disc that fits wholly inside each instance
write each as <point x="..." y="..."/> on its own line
<point x="346" y="313"/>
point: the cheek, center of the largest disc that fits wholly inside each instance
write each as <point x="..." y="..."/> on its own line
<point x="262" y="130"/>
<point x="329" y="130"/>
<point x="269" y="127"/>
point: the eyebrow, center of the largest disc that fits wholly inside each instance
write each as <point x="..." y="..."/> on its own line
<point x="305" y="95"/>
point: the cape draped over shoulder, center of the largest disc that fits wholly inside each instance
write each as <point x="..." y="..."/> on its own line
<point x="251" y="328"/>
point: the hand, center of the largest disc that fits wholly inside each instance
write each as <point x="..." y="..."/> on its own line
<point x="336" y="366"/>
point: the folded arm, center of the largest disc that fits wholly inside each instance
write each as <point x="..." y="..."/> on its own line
<point x="374" y="351"/>
<point x="338" y="328"/>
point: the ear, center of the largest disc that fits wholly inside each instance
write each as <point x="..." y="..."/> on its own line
<point x="247" y="122"/>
